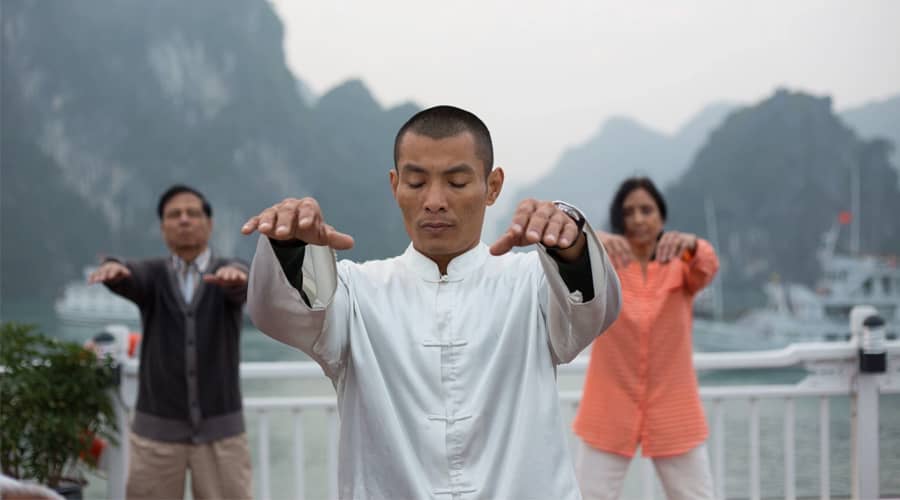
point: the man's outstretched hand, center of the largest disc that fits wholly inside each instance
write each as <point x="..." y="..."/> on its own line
<point x="109" y="272"/>
<point x="541" y="222"/>
<point x="298" y="219"/>
<point x="227" y="277"/>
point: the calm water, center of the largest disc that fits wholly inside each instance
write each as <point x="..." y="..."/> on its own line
<point x="258" y="347"/>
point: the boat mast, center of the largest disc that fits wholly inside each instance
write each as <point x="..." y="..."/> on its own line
<point x="854" y="209"/>
<point x="713" y="231"/>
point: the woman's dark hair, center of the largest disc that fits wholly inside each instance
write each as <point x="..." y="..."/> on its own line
<point x="178" y="189"/>
<point x="616" y="212"/>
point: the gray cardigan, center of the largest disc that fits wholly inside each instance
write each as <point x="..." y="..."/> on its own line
<point x="189" y="388"/>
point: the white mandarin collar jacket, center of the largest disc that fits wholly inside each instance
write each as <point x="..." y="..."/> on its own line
<point x="446" y="385"/>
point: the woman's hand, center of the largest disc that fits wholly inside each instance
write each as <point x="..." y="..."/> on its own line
<point x="673" y="244"/>
<point x="617" y="247"/>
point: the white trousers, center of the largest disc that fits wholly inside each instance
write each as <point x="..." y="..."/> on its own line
<point x="683" y="477"/>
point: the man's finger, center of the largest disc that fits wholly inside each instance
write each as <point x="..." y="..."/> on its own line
<point x="569" y="234"/>
<point x="223" y="281"/>
<point x="521" y="217"/>
<point x="95" y="276"/>
<point x="538" y="222"/>
<point x="233" y="274"/>
<point x="211" y="278"/>
<point x="217" y="281"/>
<point x="251" y="225"/>
<point x="109" y="272"/>
<point x="504" y="243"/>
<point x="285" y="219"/>
<point x="267" y="221"/>
<point x="552" y="235"/>
<point x="338" y="240"/>
<point x="308" y="213"/>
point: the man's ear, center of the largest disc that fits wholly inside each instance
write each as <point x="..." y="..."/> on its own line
<point x="495" y="185"/>
<point x="395" y="181"/>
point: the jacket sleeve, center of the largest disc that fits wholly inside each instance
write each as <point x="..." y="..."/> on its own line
<point x="319" y="328"/>
<point x="574" y="323"/>
<point x="136" y="287"/>
<point x="701" y="268"/>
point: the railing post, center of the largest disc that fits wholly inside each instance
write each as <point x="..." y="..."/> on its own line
<point x="872" y="357"/>
<point x="865" y="437"/>
<point x="115" y="456"/>
<point x="265" y="485"/>
<point x="333" y="445"/>
<point x="719" y="448"/>
<point x="790" y="471"/>
<point x="299" y="457"/>
<point x="755" y="491"/>
<point x="824" y="448"/>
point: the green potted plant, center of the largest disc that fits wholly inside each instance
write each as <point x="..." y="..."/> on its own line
<point x="54" y="399"/>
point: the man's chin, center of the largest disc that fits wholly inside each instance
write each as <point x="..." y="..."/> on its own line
<point x="432" y="248"/>
<point x="186" y="246"/>
<point x="441" y="247"/>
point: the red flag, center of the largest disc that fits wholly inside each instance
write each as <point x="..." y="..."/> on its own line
<point x="845" y="217"/>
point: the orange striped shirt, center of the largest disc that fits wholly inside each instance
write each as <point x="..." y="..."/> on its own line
<point x="641" y="387"/>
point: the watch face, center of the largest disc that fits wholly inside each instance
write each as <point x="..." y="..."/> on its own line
<point x="569" y="210"/>
<point x="572" y="212"/>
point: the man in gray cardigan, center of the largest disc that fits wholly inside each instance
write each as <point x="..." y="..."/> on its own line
<point x="188" y="414"/>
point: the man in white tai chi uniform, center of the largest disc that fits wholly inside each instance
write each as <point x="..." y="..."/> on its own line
<point x="444" y="358"/>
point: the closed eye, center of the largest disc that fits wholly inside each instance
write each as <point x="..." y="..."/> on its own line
<point x="415" y="185"/>
<point x="459" y="185"/>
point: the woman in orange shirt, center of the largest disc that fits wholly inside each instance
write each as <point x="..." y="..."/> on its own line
<point x="641" y="388"/>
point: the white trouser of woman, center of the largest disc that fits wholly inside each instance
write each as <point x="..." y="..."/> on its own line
<point x="683" y="477"/>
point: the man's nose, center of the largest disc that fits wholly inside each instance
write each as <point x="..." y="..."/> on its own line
<point x="435" y="198"/>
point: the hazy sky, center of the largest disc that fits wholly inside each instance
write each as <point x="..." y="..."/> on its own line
<point x="545" y="75"/>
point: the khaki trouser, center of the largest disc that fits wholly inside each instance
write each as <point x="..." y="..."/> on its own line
<point x="219" y="470"/>
<point x="683" y="477"/>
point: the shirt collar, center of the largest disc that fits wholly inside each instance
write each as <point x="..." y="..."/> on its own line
<point x="459" y="267"/>
<point x="201" y="262"/>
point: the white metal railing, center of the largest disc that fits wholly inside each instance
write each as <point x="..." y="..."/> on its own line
<point x="832" y="370"/>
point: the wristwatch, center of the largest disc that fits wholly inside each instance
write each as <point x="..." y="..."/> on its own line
<point x="572" y="212"/>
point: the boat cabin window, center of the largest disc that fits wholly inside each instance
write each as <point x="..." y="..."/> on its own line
<point x="838" y="312"/>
